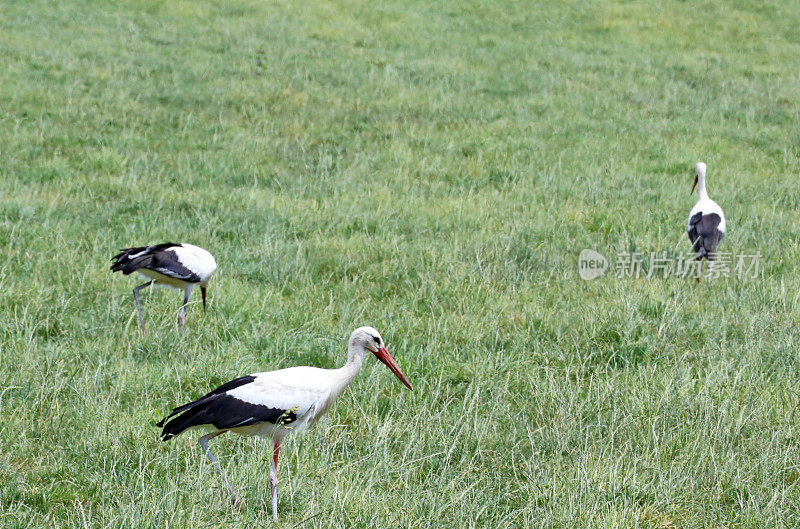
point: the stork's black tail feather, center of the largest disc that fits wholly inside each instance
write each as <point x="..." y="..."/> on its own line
<point x="129" y="260"/>
<point x="184" y="421"/>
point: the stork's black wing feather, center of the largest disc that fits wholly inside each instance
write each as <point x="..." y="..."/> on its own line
<point x="166" y="262"/>
<point x="159" y="258"/>
<point x="227" y="386"/>
<point x="222" y="411"/>
<point x="704" y="234"/>
<point x="129" y="260"/>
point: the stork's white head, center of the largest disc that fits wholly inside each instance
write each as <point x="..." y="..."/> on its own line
<point x="699" y="175"/>
<point x="367" y="338"/>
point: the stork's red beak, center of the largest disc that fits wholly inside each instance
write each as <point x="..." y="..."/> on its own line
<point x="693" y="185"/>
<point x="384" y="356"/>
<point x="203" y="291"/>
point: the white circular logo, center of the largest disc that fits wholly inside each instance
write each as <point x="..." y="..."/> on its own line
<point x="591" y="265"/>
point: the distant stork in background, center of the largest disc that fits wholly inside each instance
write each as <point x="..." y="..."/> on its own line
<point x="275" y="404"/>
<point x="178" y="266"/>
<point x="706" y="226"/>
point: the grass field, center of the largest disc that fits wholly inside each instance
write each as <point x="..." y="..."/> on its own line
<point x="432" y="170"/>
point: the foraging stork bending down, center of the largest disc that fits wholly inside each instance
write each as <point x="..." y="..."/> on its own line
<point x="275" y="404"/>
<point x="179" y="266"/>
<point x="706" y="226"/>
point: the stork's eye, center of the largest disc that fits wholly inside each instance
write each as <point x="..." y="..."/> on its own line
<point x="377" y="340"/>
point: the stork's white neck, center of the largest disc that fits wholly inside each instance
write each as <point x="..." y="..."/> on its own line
<point x="355" y="359"/>
<point x="702" y="194"/>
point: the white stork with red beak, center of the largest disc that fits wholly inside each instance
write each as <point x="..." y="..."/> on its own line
<point x="179" y="266"/>
<point x="275" y="404"/>
<point x="706" y="226"/>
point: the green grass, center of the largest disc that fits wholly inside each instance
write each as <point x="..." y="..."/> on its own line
<point x="432" y="170"/>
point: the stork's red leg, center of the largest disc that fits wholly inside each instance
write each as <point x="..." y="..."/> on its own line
<point x="273" y="480"/>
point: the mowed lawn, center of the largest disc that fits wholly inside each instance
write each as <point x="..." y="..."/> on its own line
<point x="432" y="170"/>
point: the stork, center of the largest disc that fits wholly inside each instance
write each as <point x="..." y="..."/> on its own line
<point x="706" y="226"/>
<point x="178" y="266"/>
<point x="275" y="404"/>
